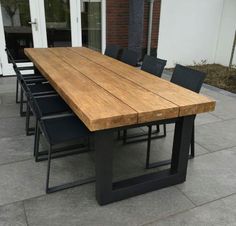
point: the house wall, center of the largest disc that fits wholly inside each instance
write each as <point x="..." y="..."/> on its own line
<point x="226" y="34"/>
<point x="118" y="23"/>
<point x="189" y="30"/>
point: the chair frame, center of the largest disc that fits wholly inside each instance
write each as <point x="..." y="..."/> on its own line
<point x="192" y="144"/>
<point x="55" y="152"/>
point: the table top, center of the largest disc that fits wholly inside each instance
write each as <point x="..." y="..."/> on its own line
<point x="106" y="93"/>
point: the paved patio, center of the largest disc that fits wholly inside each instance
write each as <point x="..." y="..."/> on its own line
<point x="208" y="197"/>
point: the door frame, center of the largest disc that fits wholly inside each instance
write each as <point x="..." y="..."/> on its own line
<point x="103" y="22"/>
<point x="37" y="11"/>
<point x="76" y="27"/>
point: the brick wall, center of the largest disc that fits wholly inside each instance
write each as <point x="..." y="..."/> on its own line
<point x="118" y="20"/>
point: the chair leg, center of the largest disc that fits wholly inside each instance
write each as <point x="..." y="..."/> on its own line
<point x="124" y="136"/>
<point x="37" y="140"/>
<point x="48" y="169"/>
<point x="192" y="152"/>
<point x="164" y="130"/>
<point x="148" y="146"/>
<point x="62" y="186"/>
<point x="118" y="135"/>
<point x="27" y="120"/>
<point x="17" y="91"/>
<point x="21" y="102"/>
<point x="35" y="137"/>
<point x="158" y="128"/>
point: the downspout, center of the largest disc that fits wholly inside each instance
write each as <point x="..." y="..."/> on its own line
<point x="150" y="27"/>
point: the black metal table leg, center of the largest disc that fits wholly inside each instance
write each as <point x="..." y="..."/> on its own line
<point x="103" y="144"/>
<point x="108" y="191"/>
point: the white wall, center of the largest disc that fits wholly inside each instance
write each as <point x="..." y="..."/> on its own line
<point x="226" y="33"/>
<point x="189" y="30"/>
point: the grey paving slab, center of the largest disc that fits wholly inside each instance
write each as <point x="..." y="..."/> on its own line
<point x="6" y="88"/>
<point x="7" y="98"/>
<point x="206" y="118"/>
<point x="10" y="127"/>
<point x="7" y="80"/>
<point x="217" y="213"/>
<point x="127" y="161"/>
<point x="217" y="136"/>
<point x="26" y="179"/>
<point x="14" y="149"/>
<point x="225" y="109"/>
<point x="9" y="111"/>
<point x="225" y="104"/>
<point x="13" y="215"/>
<point x="161" y="149"/>
<point x="217" y="94"/>
<point x="211" y="177"/>
<point x="78" y="207"/>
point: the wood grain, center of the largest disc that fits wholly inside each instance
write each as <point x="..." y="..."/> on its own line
<point x="106" y="93"/>
<point x="189" y="102"/>
<point x="148" y="105"/>
<point x="93" y="105"/>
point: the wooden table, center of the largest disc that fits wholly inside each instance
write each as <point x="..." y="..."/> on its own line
<point x="108" y="95"/>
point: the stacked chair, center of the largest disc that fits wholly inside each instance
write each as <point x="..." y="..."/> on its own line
<point x="190" y="79"/>
<point x="64" y="133"/>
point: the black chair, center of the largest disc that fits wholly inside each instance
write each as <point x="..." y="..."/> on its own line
<point x="49" y="105"/>
<point x="66" y="132"/>
<point x="190" y="79"/>
<point x="28" y="77"/>
<point x="36" y="87"/>
<point x="31" y="88"/>
<point x="112" y="51"/>
<point x="129" y="57"/>
<point x="153" y="66"/>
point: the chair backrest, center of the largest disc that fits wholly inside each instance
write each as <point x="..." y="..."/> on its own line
<point x="129" y="57"/>
<point x="188" y="78"/>
<point x="112" y="51"/>
<point x="153" y="65"/>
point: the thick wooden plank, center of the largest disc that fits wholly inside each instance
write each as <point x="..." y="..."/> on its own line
<point x="150" y="107"/>
<point x="97" y="108"/>
<point x="188" y="101"/>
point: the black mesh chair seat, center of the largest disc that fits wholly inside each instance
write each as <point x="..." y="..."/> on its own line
<point x="64" y="129"/>
<point x="153" y="65"/>
<point x="40" y="88"/>
<point x="50" y="105"/>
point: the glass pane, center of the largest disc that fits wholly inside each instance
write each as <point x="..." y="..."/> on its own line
<point x="57" y="14"/>
<point x="91" y="24"/>
<point x="18" y="33"/>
